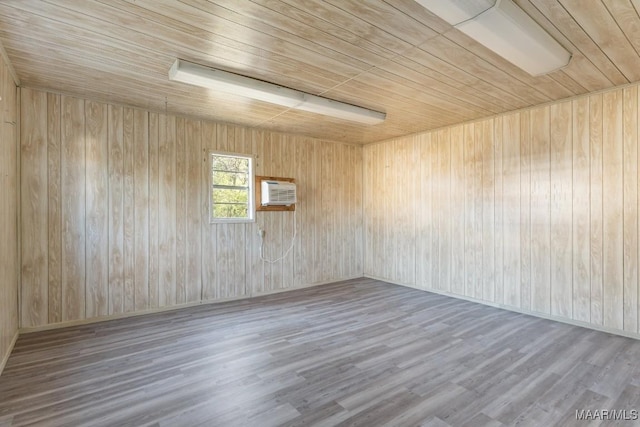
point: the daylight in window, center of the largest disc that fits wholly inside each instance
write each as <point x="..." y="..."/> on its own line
<point x="231" y="188"/>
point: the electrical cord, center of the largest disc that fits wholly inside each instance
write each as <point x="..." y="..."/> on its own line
<point x="295" y="233"/>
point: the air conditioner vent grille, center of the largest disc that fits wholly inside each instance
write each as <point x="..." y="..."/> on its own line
<point x="278" y="193"/>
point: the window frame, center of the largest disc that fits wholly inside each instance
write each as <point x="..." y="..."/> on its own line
<point x="251" y="211"/>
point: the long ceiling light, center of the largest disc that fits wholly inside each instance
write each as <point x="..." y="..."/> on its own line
<point x="503" y="27"/>
<point x="199" y="75"/>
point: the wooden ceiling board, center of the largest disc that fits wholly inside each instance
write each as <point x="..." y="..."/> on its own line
<point x="388" y="55"/>
<point x="312" y="34"/>
<point x="184" y="102"/>
<point x="603" y="29"/>
<point x="227" y="53"/>
<point x="238" y="40"/>
<point x="319" y="14"/>
<point x="131" y="59"/>
<point x="373" y="40"/>
<point x="424" y="81"/>
<point x="247" y="34"/>
<point x="425" y="63"/>
<point x="379" y="85"/>
<point x="547" y="86"/>
<point x="580" y="39"/>
<point x="405" y="118"/>
<point x="468" y="79"/>
<point x="295" y="121"/>
<point x="385" y="17"/>
<point x="183" y="105"/>
<point x="449" y="51"/>
<point x="592" y="78"/>
<point x="580" y="70"/>
<point x="625" y="15"/>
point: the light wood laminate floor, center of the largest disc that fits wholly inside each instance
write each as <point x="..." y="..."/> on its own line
<point x="361" y="352"/>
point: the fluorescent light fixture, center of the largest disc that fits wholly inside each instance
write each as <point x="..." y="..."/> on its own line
<point x="200" y="75"/>
<point x="456" y="11"/>
<point x="505" y="29"/>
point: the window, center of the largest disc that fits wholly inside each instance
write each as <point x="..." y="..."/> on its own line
<point x="231" y="188"/>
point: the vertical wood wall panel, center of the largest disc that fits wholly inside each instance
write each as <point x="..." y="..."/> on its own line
<point x="302" y="249"/>
<point x="612" y="189"/>
<point x="561" y="209"/>
<point x="355" y="201"/>
<point x="470" y="230"/>
<point x="424" y="215"/>
<point x="325" y="256"/>
<point x="288" y="226"/>
<point x="479" y="194"/>
<point x="257" y="267"/>
<point x="141" y="209"/>
<point x="244" y="143"/>
<point x="377" y="238"/>
<point x="596" y="196"/>
<point x="498" y="210"/>
<point x="457" y="210"/>
<point x="316" y="220"/>
<point x="484" y="133"/>
<point x="549" y="202"/>
<point x="34" y="211"/>
<point x="511" y="193"/>
<point x="268" y="272"/>
<point x="128" y="211"/>
<point x="409" y="197"/>
<point x="167" y="210"/>
<point x="398" y="237"/>
<point x="73" y="194"/>
<point x="630" y="213"/>
<point x="97" y="223"/>
<point x="525" y="210"/>
<point x="209" y="241"/>
<point x="54" y="207"/>
<point x="581" y="246"/>
<point x="434" y="206"/>
<point x="116" y="209"/>
<point x="368" y="182"/>
<point x="9" y="208"/>
<point x="540" y="212"/>
<point x="181" y="211"/>
<point x="132" y="188"/>
<point x="154" y="216"/>
<point x="193" y="278"/>
<point x="376" y="219"/>
<point x="444" y="203"/>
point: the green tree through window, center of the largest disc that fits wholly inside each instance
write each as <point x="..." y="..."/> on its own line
<point x="232" y="187"/>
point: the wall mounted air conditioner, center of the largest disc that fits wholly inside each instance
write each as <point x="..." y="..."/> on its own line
<point x="278" y="193"/>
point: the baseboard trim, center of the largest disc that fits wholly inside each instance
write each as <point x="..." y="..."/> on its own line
<point x="515" y="309"/>
<point x="174" y="307"/>
<point x="5" y="358"/>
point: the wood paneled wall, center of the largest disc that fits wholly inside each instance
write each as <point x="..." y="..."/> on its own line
<point x="115" y="213"/>
<point x="8" y="212"/>
<point x="535" y="210"/>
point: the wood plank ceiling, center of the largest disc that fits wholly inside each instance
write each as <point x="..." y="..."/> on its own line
<point x="390" y="55"/>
